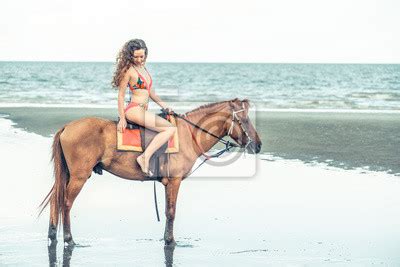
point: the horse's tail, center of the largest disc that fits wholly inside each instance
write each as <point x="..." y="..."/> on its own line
<point x="61" y="175"/>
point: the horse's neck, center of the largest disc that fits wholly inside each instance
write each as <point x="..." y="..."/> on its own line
<point x="205" y="140"/>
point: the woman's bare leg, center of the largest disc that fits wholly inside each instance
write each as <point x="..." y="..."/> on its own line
<point x="153" y="122"/>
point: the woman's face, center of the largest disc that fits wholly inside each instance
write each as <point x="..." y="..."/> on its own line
<point x="139" y="57"/>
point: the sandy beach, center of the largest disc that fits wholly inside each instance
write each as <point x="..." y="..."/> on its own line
<point x="289" y="213"/>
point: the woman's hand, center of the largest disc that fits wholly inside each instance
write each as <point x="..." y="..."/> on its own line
<point x="168" y="110"/>
<point x="121" y="125"/>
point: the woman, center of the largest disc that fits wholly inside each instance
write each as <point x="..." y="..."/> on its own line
<point x="131" y="72"/>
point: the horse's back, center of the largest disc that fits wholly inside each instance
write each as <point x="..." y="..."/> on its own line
<point x="89" y="133"/>
<point x="77" y="129"/>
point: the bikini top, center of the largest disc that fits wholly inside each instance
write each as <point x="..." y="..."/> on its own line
<point x="141" y="83"/>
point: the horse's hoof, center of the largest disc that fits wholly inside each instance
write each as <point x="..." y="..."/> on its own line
<point x="69" y="243"/>
<point x="52" y="242"/>
<point x="170" y="243"/>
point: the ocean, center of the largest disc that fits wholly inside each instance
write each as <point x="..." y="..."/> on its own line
<point x="268" y="86"/>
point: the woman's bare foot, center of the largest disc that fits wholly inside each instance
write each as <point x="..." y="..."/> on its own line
<point x="142" y="163"/>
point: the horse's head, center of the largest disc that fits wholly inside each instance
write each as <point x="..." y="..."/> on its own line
<point x="240" y="128"/>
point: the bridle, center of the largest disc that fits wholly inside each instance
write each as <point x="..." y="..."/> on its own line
<point x="228" y="144"/>
<point x="235" y="117"/>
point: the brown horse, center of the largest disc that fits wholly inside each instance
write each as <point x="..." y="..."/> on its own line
<point x="89" y="144"/>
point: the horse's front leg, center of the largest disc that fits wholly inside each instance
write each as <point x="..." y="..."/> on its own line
<point x="171" y="195"/>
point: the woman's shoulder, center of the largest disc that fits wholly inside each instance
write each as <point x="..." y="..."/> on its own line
<point x="131" y="72"/>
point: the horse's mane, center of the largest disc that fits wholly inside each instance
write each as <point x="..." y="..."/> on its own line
<point x="212" y="107"/>
<point x="206" y="108"/>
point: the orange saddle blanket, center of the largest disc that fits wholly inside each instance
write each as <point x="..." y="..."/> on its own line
<point x="132" y="138"/>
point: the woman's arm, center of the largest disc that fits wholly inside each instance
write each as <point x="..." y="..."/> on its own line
<point x="157" y="99"/>
<point x="121" y="95"/>
<point x="121" y="99"/>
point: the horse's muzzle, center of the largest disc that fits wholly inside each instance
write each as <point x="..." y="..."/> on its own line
<point x="254" y="148"/>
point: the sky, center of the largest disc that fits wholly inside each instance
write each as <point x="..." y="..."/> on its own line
<point x="265" y="31"/>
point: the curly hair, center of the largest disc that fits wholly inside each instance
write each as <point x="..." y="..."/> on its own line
<point x="125" y="59"/>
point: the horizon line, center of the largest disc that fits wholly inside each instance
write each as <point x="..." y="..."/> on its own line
<point x="207" y="62"/>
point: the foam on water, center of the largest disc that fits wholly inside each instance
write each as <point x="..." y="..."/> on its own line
<point x="187" y="107"/>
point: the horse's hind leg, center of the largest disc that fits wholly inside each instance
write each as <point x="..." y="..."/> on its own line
<point x="52" y="235"/>
<point x="74" y="186"/>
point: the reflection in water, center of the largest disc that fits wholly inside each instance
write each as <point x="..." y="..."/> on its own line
<point x="52" y="251"/>
<point x="67" y="255"/>
<point x="169" y="255"/>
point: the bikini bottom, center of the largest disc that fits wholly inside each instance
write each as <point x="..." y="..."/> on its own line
<point x="134" y="104"/>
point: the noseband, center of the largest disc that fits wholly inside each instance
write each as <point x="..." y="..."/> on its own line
<point x="235" y="117"/>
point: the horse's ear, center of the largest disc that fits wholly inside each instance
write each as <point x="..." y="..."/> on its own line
<point x="246" y="102"/>
<point x="233" y="101"/>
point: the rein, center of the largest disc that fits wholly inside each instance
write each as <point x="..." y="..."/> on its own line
<point x="204" y="130"/>
<point x="228" y="144"/>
